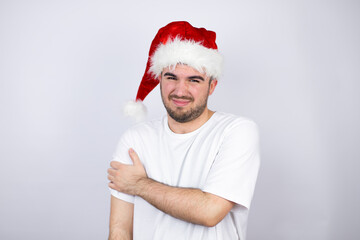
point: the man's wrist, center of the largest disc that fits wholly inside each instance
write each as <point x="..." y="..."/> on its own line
<point x="142" y="185"/>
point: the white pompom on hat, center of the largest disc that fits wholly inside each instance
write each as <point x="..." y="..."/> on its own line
<point x="177" y="42"/>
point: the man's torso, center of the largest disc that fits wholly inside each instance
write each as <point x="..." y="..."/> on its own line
<point x="181" y="160"/>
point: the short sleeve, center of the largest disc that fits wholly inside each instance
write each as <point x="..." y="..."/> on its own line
<point x="235" y="168"/>
<point x="121" y="155"/>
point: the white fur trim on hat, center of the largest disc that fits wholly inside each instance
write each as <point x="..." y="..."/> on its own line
<point x="187" y="52"/>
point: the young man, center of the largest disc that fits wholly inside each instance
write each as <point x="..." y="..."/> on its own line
<point x="191" y="174"/>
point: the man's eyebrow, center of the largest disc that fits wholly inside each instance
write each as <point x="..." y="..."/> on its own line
<point x="169" y="74"/>
<point x="197" y="77"/>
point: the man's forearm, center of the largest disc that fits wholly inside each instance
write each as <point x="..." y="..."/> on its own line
<point x="191" y="205"/>
<point x="119" y="235"/>
<point x="121" y="219"/>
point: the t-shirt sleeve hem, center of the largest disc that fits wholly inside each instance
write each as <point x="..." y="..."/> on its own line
<point x="122" y="196"/>
<point x="237" y="200"/>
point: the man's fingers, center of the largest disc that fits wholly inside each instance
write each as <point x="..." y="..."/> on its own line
<point x="134" y="157"/>
<point x="110" y="177"/>
<point x="111" y="185"/>
<point x="111" y="171"/>
<point x="115" y="164"/>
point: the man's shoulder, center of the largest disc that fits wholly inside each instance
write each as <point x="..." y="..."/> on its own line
<point x="231" y="120"/>
<point x="230" y="125"/>
<point x="146" y="127"/>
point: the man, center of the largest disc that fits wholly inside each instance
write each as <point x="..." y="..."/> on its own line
<point x="191" y="174"/>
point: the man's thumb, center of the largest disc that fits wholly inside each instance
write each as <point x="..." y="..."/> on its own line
<point x="134" y="157"/>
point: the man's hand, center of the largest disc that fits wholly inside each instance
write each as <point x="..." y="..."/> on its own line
<point x="125" y="178"/>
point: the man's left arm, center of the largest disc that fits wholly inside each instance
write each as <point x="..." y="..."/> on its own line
<point x="189" y="204"/>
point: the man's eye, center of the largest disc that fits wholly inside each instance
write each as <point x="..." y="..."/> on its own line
<point x="171" y="78"/>
<point x="194" y="81"/>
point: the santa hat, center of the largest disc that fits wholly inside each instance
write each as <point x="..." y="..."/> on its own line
<point x="177" y="42"/>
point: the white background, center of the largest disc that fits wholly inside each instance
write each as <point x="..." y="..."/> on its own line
<point x="66" y="67"/>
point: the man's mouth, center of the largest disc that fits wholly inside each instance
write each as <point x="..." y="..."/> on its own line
<point x="181" y="102"/>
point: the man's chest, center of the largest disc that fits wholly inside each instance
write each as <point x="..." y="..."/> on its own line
<point x="180" y="162"/>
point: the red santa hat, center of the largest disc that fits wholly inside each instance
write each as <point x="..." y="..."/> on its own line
<point x="177" y="42"/>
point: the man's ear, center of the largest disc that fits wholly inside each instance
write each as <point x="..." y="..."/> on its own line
<point x="212" y="86"/>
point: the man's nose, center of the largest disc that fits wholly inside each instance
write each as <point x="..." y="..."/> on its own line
<point x="181" y="88"/>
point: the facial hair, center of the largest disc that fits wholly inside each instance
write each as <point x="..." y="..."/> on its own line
<point x="180" y="116"/>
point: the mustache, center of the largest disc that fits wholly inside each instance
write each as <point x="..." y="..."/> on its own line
<point x="173" y="96"/>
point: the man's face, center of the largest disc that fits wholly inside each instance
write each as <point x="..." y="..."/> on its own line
<point x="184" y="92"/>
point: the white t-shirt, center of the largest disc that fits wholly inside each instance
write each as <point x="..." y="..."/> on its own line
<point x="221" y="157"/>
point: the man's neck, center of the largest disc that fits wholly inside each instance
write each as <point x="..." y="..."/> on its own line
<point x="191" y="126"/>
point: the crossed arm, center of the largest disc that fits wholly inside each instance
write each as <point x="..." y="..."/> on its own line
<point x="188" y="204"/>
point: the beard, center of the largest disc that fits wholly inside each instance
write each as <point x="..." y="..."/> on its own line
<point x="179" y="114"/>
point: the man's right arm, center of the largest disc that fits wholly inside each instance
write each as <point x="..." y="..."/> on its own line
<point x="121" y="219"/>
